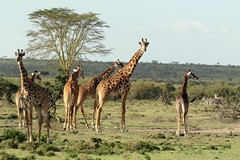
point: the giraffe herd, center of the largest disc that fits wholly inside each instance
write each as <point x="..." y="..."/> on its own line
<point x="98" y="88"/>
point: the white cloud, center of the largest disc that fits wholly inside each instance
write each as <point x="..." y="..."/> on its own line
<point x="190" y="25"/>
<point x="223" y="28"/>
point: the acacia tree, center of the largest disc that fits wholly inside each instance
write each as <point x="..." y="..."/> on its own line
<point x="65" y="35"/>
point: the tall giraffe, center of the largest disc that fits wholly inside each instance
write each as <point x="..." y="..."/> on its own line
<point x="182" y="103"/>
<point x="34" y="95"/>
<point x="70" y="95"/>
<point x="89" y="89"/>
<point x="20" y="104"/>
<point x="119" y="82"/>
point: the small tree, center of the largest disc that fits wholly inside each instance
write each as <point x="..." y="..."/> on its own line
<point x="7" y="89"/>
<point x="167" y="93"/>
<point x="63" y="34"/>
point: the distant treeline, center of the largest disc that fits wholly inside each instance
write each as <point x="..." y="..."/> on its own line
<point x="154" y="71"/>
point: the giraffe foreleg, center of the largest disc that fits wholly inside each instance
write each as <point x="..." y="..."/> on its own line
<point x="185" y="119"/>
<point x="65" y="124"/>
<point x="179" y="123"/>
<point x="185" y="124"/>
<point x="40" y="121"/>
<point x="123" y="112"/>
<point x="27" y="123"/>
<point x="20" y="111"/>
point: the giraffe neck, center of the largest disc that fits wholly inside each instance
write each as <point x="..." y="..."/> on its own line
<point x="128" y="69"/>
<point x="108" y="72"/>
<point x="23" y="74"/>
<point x="184" y="86"/>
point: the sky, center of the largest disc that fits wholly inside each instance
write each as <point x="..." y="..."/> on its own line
<point x="184" y="31"/>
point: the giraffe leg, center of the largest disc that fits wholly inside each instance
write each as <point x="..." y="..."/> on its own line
<point x="71" y="117"/>
<point x="27" y="123"/>
<point x="99" y="110"/>
<point x="66" y="117"/>
<point x="185" y="124"/>
<point x="30" y="122"/>
<point x="48" y="126"/>
<point x="24" y="119"/>
<point x="185" y="118"/>
<point x="75" y="109"/>
<point x="123" y="112"/>
<point x="82" y="111"/>
<point x="40" y="121"/>
<point x="47" y="121"/>
<point x="179" y="123"/>
<point x="20" y="118"/>
<point x="93" y="113"/>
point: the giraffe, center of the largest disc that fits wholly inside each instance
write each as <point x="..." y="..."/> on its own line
<point x="182" y="103"/>
<point x="119" y="82"/>
<point x="70" y="95"/>
<point x="19" y="102"/>
<point x="34" y="95"/>
<point x="89" y="89"/>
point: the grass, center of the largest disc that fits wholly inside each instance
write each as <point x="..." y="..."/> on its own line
<point x="150" y="135"/>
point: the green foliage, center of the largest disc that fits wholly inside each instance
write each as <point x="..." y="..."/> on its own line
<point x="167" y="93"/>
<point x="161" y="72"/>
<point x="143" y="147"/>
<point x="5" y="156"/>
<point x="74" y="34"/>
<point x="7" y="89"/>
<point x="144" y="90"/>
<point x="13" y="135"/>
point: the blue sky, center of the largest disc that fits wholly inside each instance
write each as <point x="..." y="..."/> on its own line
<point x="184" y="31"/>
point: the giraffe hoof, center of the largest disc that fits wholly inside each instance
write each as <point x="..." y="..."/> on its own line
<point x="98" y="130"/>
<point x="177" y="133"/>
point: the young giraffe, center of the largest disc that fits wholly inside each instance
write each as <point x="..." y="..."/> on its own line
<point x="19" y="102"/>
<point x="119" y="82"/>
<point x="70" y="95"/>
<point x="89" y="89"/>
<point x="182" y="103"/>
<point x="34" y="95"/>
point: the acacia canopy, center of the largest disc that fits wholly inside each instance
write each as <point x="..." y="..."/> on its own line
<point x="62" y="34"/>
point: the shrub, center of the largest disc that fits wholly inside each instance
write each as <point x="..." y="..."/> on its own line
<point x="6" y="156"/>
<point x="144" y="90"/>
<point x="13" y="135"/>
<point x="143" y="147"/>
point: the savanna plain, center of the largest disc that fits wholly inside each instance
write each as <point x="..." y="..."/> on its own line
<point x="150" y="134"/>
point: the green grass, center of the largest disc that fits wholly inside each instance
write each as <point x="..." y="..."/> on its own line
<point x="150" y="135"/>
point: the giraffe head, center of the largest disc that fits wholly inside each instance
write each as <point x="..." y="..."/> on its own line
<point x="191" y="75"/>
<point x="19" y="54"/>
<point x="78" y="71"/>
<point x="118" y="64"/>
<point x="36" y="75"/>
<point x="144" y="44"/>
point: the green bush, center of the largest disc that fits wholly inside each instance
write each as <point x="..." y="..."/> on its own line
<point x="6" y="156"/>
<point x="13" y="135"/>
<point x="144" y="90"/>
